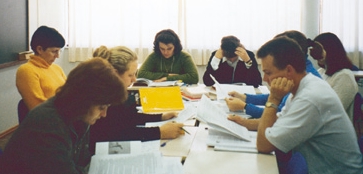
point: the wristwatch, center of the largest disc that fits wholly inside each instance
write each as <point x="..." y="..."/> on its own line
<point x="271" y="105"/>
<point x="249" y="62"/>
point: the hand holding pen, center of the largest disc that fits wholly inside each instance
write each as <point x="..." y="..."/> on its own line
<point x="171" y="130"/>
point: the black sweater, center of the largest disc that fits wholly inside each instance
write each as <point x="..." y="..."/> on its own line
<point x="120" y="124"/>
<point x="224" y="73"/>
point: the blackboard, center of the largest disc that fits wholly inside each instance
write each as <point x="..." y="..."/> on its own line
<point x="13" y="29"/>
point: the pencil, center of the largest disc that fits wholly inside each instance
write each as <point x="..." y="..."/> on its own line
<point x="185" y="130"/>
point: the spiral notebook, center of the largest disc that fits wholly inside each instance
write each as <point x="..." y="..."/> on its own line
<point x="161" y="99"/>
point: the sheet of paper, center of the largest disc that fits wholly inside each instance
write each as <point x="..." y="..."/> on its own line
<point x="126" y="164"/>
<point x="221" y="93"/>
<point x="215" y="117"/>
<point x="264" y="90"/>
<point x="188" y="112"/>
<point x="225" y="142"/>
<point x="126" y="147"/>
<point x="226" y="88"/>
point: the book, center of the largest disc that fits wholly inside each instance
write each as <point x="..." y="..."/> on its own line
<point x="150" y="83"/>
<point x="194" y="92"/>
<point x="161" y="99"/>
<point x="124" y="157"/>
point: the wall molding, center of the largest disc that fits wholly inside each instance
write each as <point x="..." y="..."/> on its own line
<point x="8" y="131"/>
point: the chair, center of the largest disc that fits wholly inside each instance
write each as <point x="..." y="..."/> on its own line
<point x="282" y="160"/>
<point x="358" y="114"/>
<point x="297" y="164"/>
<point x="291" y="163"/>
<point x="360" y="143"/>
<point x="22" y="110"/>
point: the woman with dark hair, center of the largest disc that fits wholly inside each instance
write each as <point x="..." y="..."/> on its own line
<point x="168" y="62"/>
<point x="38" y="79"/>
<point x="336" y="67"/>
<point x="54" y="137"/>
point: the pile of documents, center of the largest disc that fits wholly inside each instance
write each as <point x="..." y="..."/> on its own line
<point x="132" y="157"/>
<point x="224" y="134"/>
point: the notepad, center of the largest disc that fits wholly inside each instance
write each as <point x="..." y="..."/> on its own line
<point x="161" y="99"/>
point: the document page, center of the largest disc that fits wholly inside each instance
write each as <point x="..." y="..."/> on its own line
<point x="183" y="116"/>
<point x="126" y="147"/>
<point x="225" y="142"/>
<point x="126" y="164"/>
<point x="215" y="117"/>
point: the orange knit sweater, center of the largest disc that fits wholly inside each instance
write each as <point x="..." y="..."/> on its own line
<point x="37" y="81"/>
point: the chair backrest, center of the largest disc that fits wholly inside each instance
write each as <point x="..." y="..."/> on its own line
<point x="282" y="160"/>
<point x="22" y="110"/>
<point x="360" y="143"/>
<point x="291" y="163"/>
<point x="358" y="114"/>
<point x="297" y="164"/>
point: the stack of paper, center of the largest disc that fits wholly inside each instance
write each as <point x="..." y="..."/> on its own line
<point x="194" y="92"/>
<point x="223" y="89"/>
<point x="225" y="142"/>
<point x="215" y="117"/>
<point x="183" y="116"/>
<point x="132" y="157"/>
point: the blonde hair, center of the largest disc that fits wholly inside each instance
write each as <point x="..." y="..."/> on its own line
<point x="120" y="57"/>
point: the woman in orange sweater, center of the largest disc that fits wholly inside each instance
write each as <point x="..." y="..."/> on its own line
<point x="38" y="79"/>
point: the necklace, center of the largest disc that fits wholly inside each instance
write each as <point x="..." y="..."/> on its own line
<point x="166" y="69"/>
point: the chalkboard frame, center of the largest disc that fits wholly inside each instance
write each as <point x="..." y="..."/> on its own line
<point x="14" y="37"/>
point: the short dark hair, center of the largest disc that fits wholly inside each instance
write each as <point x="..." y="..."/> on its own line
<point x="167" y="36"/>
<point x="299" y="37"/>
<point x="285" y="51"/>
<point x="46" y="37"/>
<point x="92" y="82"/>
<point x="229" y="45"/>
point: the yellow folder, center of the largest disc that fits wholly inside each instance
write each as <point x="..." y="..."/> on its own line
<point x="161" y="99"/>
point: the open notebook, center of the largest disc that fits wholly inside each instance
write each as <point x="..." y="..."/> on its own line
<point x="161" y="99"/>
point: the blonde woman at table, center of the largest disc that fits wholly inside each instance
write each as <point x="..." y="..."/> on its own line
<point x="122" y="120"/>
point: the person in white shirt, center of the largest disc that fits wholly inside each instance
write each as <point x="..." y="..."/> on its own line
<point x="313" y="121"/>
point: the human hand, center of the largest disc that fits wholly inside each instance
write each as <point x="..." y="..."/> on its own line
<point x="239" y="120"/>
<point x="169" y="115"/>
<point x="219" y="53"/>
<point x="237" y="95"/>
<point x="171" y="130"/>
<point x="160" y="80"/>
<point x="235" y="104"/>
<point x="250" y="124"/>
<point x="173" y="74"/>
<point x="242" y="53"/>
<point x="279" y="87"/>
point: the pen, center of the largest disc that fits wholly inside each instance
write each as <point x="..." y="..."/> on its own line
<point x="185" y="130"/>
<point x="163" y="144"/>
